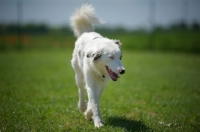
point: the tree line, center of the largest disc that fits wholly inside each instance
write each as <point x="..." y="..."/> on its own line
<point x="43" y="28"/>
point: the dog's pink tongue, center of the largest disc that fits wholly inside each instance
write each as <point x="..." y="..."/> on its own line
<point x="112" y="75"/>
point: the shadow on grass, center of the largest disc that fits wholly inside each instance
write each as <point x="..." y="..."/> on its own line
<point x="128" y="124"/>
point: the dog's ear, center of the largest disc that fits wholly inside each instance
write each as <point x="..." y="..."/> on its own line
<point x="96" y="56"/>
<point x="118" y="43"/>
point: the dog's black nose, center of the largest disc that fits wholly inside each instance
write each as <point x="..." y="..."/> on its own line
<point x="122" y="71"/>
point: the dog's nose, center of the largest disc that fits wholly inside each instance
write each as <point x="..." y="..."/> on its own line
<point x="122" y="71"/>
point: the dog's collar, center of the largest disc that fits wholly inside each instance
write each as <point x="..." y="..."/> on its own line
<point x="96" y="38"/>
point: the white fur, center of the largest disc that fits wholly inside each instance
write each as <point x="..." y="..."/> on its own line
<point x="91" y="55"/>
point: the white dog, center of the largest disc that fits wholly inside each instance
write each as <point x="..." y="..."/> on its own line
<point x="95" y="60"/>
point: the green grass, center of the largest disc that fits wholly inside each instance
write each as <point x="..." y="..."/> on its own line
<point x="158" y="92"/>
<point x="184" y="41"/>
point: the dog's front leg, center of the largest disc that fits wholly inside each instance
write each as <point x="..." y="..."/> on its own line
<point x="93" y="106"/>
<point x="93" y="109"/>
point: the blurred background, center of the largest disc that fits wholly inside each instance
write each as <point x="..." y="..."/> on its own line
<point x="164" y="25"/>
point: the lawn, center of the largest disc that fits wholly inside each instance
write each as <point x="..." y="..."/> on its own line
<point x="159" y="92"/>
<point x="184" y="41"/>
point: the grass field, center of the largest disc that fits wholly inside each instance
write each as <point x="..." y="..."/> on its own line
<point x="158" y="92"/>
<point x="184" y="41"/>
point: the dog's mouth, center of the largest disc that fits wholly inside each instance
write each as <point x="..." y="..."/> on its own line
<point x="112" y="75"/>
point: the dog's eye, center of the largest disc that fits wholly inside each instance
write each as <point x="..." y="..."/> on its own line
<point x="120" y="57"/>
<point x="111" y="57"/>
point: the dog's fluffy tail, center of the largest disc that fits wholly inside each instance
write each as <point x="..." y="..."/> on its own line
<point x="83" y="19"/>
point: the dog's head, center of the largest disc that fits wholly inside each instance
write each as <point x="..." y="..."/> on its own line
<point x="107" y="59"/>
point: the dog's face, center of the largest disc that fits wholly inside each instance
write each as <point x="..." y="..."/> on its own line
<point x="113" y="64"/>
<point x="107" y="59"/>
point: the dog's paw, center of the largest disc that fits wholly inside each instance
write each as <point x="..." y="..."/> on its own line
<point x="98" y="124"/>
<point x="88" y="115"/>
